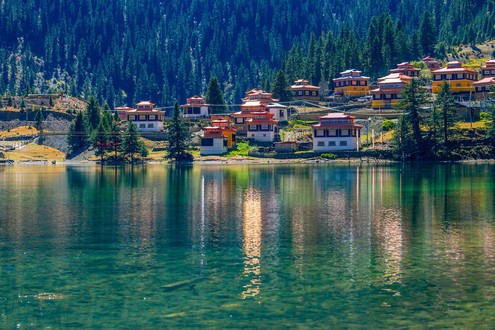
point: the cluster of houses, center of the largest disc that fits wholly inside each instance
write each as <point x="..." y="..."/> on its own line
<point x="260" y="113"/>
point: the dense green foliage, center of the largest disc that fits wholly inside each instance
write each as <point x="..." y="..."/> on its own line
<point x="125" y="51"/>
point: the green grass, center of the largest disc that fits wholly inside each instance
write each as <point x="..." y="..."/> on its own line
<point x="241" y="149"/>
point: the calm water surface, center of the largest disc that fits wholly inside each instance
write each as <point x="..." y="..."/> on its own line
<point x="286" y="246"/>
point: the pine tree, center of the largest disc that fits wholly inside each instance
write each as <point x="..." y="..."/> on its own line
<point x="100" y="141"/>
<point x="132" y="145"/>
<point x="412" y="98"/>
<point x="178" y="137"/>
<point x="38" y="118"/>
<point x="93" y="113"/>
<point x="215" y="97"/>
<point x="446" y="105"/>
<point x="78" y="133"/>
<point x="280" y="88"/>
<point x="427" y="34"/>
<point x="115" y="140"/>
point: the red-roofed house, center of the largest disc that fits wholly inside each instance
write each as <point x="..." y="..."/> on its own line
<point x="459" y="78"/>
<point x="259" y="95"/>
<point x="262" y="127"/>
<point x="336" y="131"/>
<point x="145" y="116"/>
<point x="389" y="90"/>
<point x="488" y="70"/>
<point x="406" y="69"/>
<point x="482" y="87"/>
<point x="302" y="90"/>
<point x="431" y="63"/>
<point x="218" y="138"/>
<point x="351" y="83"/>
<point x="196" y="108"/>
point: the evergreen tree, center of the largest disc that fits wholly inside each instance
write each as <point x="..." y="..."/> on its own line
<point x="446" y="105"/>
<point x="115" y="140"/>
<point x="491" y="113"/>
<point x="280" y="87"/>
<point x="404" y="147"/>
<point x="178" y="137"/>
<point x="101" y="141"/>
<point x="38" y="119"/>
<point x="215" y="97"/>
<point x="427" y="34"/>
<point x="50" y="101"/>
<point x="132" y="145"/>
<point x="412" y="98"/>
<point x="93" y="112"/>
<point x="78" y="133"/>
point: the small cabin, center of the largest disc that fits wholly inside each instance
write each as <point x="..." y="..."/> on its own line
<point x="351" y="84"/>
<point x="302" y="90"/>
<point x="196" y="108"/>
<point x="262" y="127"/>
<point x="144" y="116"/>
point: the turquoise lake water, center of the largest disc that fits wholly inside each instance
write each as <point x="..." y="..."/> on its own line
<point x="247" y="246"/>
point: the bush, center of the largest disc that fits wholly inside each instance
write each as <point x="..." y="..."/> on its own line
<point x="328" y="155"/>
<point x="484" y="116"/>
<point x="388" y="125"/>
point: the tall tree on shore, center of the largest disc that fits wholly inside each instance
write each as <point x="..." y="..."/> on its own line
<point x="412" y="98"/>
<point x="78" y="133"/>
<point x="446" y="104"/>
<point x="132" y="145"/>
<point x="100" y="141"/>
<point x="178" y="136"/>
<point x="215" y="97"/>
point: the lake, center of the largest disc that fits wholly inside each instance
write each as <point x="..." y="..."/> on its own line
<point x="247" y="246"/>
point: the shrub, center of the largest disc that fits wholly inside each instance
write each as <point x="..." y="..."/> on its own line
<point x="388" y="125"/>
<point x="328" y="155"/>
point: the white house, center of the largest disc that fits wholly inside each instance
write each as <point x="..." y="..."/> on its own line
<point x="261" y="127"/>
<point x="218" y="138"/>
<point x="336" y="131"/>
<point x="196" y="108"/>
<point x="145" y="116"/>
<point x="280" y="112"/>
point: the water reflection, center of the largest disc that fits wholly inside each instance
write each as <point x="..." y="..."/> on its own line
<point x="324" y="238"/>
<point x="251" y="228"/>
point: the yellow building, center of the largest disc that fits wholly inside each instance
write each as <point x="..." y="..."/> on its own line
<point x="351" y="83"/>
<point x="389" y="90"/>
<point x="459" y="78"/>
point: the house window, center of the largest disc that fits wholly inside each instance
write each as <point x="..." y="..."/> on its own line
<point x="301" y="93"/>
<point x="153" y="117"/>
<point x="265" y="127"/>
<point x="252" y="135"/>
<point x="343" y="143"/>
<point x="239" y="120"/>
<point x="142" y="117"/>
<point x="281" y="114"/>
<point x="345" y="132"/>
<point x="332" y="132"/>
<point x="142" y="125"/>
<point x="314" y="93"/>
<point x="331" y="143"/>
<point x="319" y="132"/>
<point x="252" y="128"/>
<point x="264" y="135"/>
<point x="307" y="93"/>
<point x="321" y="143"/>
<point x="132" y="117"/>
<point x="207" y="142"/>
<point x="151" y="126"/>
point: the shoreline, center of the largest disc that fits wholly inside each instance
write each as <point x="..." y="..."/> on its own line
<point x="244" y="161"/>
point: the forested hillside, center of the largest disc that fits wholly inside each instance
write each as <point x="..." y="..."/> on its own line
<point x="126" y="50"/>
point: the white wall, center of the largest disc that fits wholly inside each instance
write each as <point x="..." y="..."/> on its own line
<point x="351" y="143"/>
<point x="157" y="126"/>
<point x="217" y="148"/>
<point x="261" y="136"/>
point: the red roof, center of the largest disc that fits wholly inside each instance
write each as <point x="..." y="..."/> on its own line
<point x="453" y="67"/>
<point x="485" y="81"/>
